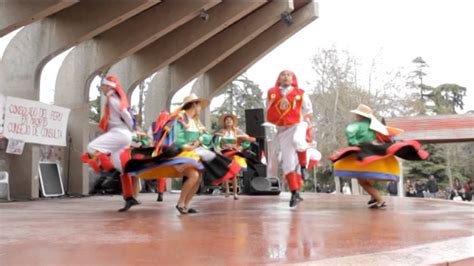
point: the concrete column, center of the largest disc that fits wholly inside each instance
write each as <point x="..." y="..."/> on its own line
<point x="155" y="101"/>
<point x="217" y="48"/>
<point x="337" y="183"/>
<point x="228" y="69"/>
<point x="355" y="186"/>
<point x="401" y="182"/>
<point x="15" y="14"/>
<point x="24" y="59"/>
<point x="180" y="41"/>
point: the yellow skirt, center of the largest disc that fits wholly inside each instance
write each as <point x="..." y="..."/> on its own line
<point x="386" y="169"/>
<point x="240" y="161"/>
<point x="173" y="167"/>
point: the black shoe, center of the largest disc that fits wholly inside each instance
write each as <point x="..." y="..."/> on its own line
<point x="371" y="201"/>
<point x="129" y="202"/>
<point x="160" y="197"/>
<point x="298" y="196"/>
<point x="192" y="210"/>
<point x="378" y="205"/>
<point x="182" y="210"/>
<point x="294" y="199"/>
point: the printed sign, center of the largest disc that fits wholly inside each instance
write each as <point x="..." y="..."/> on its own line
<point x="15" y="146"/>
<point x="35" y="122"/>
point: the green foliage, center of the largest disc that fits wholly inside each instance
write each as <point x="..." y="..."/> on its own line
<point x="446" y="98"/>
<point x="94" y="105"/>
<point x="435" y="165"/>
<point x="443" y="99"/>
<point x="94" y="113"/>
<point x="239" y="95"/>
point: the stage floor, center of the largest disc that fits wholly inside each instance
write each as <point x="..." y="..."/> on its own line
<point x="323" y="229"/>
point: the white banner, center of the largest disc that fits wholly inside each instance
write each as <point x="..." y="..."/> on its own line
<point x="35" y="122"/>
<point x="2" y="109"/>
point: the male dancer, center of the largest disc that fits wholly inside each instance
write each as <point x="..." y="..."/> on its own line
<point x="103" y="153"/>
<point x="290" y="109"/>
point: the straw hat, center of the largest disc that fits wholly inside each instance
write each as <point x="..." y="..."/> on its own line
<point x="194" y="98"/>
<point x="375" y="124"/>
<point x="364" y="111"/>
<point x="224" y="116"/>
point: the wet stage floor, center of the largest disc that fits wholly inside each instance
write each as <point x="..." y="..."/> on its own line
<point x="252" y="230"/>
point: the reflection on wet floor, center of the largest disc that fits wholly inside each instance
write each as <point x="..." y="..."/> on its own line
<point x="253" y="230"/>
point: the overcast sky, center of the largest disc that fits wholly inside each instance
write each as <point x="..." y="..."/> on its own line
<point x="441" y="32"/>
<point x="398" y="31"/>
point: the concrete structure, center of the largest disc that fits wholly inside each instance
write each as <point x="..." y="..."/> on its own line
<point x="92" y="56"/>
<point x="33" y="47"/>
<point x="182" y="39"/>
<point x="16" y="13"/>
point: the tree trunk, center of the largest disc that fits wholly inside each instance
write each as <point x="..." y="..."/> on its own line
<point x="336" y="101"/>
<point x="448" y="167"/>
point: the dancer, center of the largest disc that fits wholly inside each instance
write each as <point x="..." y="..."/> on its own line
<point x="290" y="109"/>
<point x="372" y="151"/>
<point x="231" y="141"/>
<point x="182" y="151"/>
<point x="103" y="153"/>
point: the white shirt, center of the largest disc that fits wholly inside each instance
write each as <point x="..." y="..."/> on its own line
<point x="118" y="118"/>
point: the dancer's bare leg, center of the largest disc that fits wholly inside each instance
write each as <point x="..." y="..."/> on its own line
<point x="136" y="186"/>
<point x="192" y="192"/>
<point x="373" y="192"/>
<point x="188" y="188"/>
<point x="234" y="182"/>
<point x="227" y="188"/>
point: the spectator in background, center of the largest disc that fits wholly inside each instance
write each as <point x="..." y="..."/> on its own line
<point x="432" y="186"/>
<point x="468" y="190"/>
<point x="327" y="189"/>
<point x="457" y="191"/>
<point x="392" y="188"/>
<point x="407" y="187"/>
<point x="411" y="192"/>
<point x="318" y="187"/>
<point x="419" y="188"/>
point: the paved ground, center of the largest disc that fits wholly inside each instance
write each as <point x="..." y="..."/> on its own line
<point x="324" y="229"/>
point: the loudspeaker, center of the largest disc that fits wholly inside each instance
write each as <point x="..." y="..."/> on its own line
<point x="254" y="119"/>
<point x="256" y="182"/>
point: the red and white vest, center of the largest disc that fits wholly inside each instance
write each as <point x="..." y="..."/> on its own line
<point x="285" y="110"/>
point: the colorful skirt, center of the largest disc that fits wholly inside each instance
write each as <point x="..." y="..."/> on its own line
<point x="386" y="169"/>
<point x="376" y="162"/>
<point x="237" y="157"/>
<point x="170" y="164"/>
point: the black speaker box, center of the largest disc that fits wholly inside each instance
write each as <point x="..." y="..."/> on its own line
<point x="257" y="183"/>
<point x="254" y="118"/>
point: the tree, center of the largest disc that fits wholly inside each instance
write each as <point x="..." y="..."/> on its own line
<point x="94" y="111"/>
<point x="446" y="98"/>
<point x="95" y="105"/>
<point x="445" y="161"/>
<point x="239" y="95"/>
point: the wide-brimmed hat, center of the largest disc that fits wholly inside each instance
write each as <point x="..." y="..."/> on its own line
<point x="194" y="98"/>
<point x="364" y="111"/>
<point x="375" y="124"/>
<point x="224" y="116"/>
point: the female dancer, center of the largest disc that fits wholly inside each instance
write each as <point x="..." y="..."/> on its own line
<point x="372" y="151"/>
<point x="182" y="151"/>
<point x="230" y="141"/>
